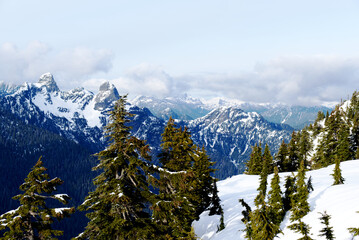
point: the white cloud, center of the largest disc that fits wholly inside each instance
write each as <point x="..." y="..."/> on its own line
<point x="293" y="80"/>
<point x="147" y="79"/>
<point x="70" y="66"/>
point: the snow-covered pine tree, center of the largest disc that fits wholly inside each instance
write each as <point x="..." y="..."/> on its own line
<point x="300" y="205"/>
<point x="337" y="173"/>
<point x="327" y="231"/>
<point x="33" y="219"/>
<point x="119" y="206"/>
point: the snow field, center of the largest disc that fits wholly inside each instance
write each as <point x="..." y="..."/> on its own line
<point x="341" y="202"/>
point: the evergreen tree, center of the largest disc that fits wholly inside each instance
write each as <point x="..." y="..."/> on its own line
<point x="33" y="219"/>
<point x="310" y="185"/>
<point x="327" y="231"/>
<point x="262" y="226"/>
<point x="262" y="189"/>
<point x="343" y="148"/>
<point x="354" y="231"/>
<point x="275" y="203"/>
<point x="304" y="146"/>
<point x="221" y="223"/>
<point x="175" y="208"/>
<point x="254" y="165"/>
<point x="300" y="205"/>
<point x="215" y="208"/>
<point x="337" y="174"/>
<point x="204" y="187"/>
<point x="268" y="159"/>
<point x="290" y="189"/>
<point x="292" y="162"/>
<point x="281" y="157"/>
<point x="246" y="218"/>
<point x="119" y="205"/>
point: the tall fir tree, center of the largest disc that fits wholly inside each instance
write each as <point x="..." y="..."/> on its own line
<point x="327" y="231"/>
<point x="118" y="207"/>
<point x="300" y="205"/>
<point x="275" y="202"/>
<point x="204" y="187"/>
<point x="247" y="212"/>
<point x="33" y="219"/>
<point x="175" y="207"/>
<point x="292" y="162"/>
<point x="281" y="157"/>
<point x="304" y="146"/>
<point x="290" y="189"/>
<point x="254" y="165"/>
<point x="337" y="173"/>
<point x="261" y="224"/>
<point x="268" y="159"/>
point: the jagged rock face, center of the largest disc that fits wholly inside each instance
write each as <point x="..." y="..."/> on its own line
<point x="47" y="81"/>
<point x="107" y="95"/>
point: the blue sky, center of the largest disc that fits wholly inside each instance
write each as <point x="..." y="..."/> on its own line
<point x="296" y="52"/>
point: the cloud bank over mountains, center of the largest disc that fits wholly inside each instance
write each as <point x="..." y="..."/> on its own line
<point x="297" y="80"/>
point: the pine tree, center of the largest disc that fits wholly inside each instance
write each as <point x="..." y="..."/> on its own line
<point x="337" y="174"/>
<point x="354" y="231"/>
<point x="304" y="146"/>
<point x="246" y="218"/>
<point x="204" y="187"/>
<point x="327" y="231"/>
<point x="262" y="189"/>
<point x="174" y="209"/>
<point x="262" y="226"/>
<point x="221" y="223"/>
<point x="292" y="162"/>
<point x="254" y="165"/>
<point x="215" y="208"/>
<point x="300" y="205"/>
<point x="119" y="205"/>
<point x="290" y="189"/>
<point x="281" y="157"/>
<point x="268" y="159"/>
<point x="275" y="203"/>
<point x="33" y="219"/>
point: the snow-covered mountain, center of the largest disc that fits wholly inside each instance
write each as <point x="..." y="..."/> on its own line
<point x="188" y="108"/>
<point x="339" y="201"/>
<point x="229" y="132"/>
<point x="79" y="115"/>
<point x="184" y="108"/>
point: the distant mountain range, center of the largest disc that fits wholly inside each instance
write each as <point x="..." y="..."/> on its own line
<point x="188" y="108"/>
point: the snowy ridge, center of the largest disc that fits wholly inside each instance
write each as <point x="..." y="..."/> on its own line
<point x="340" y="202"/>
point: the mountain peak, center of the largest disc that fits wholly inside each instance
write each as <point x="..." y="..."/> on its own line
<point x="47" y="81"/>
<point x="107" y="95"/>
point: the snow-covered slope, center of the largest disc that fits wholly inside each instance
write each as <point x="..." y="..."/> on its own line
<point x="341" y="202"/>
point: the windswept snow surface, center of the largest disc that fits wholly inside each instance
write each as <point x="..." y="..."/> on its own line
<point x="341" y="202"/>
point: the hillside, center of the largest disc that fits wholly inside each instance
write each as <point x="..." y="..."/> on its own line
<point x="340" y="201"/>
